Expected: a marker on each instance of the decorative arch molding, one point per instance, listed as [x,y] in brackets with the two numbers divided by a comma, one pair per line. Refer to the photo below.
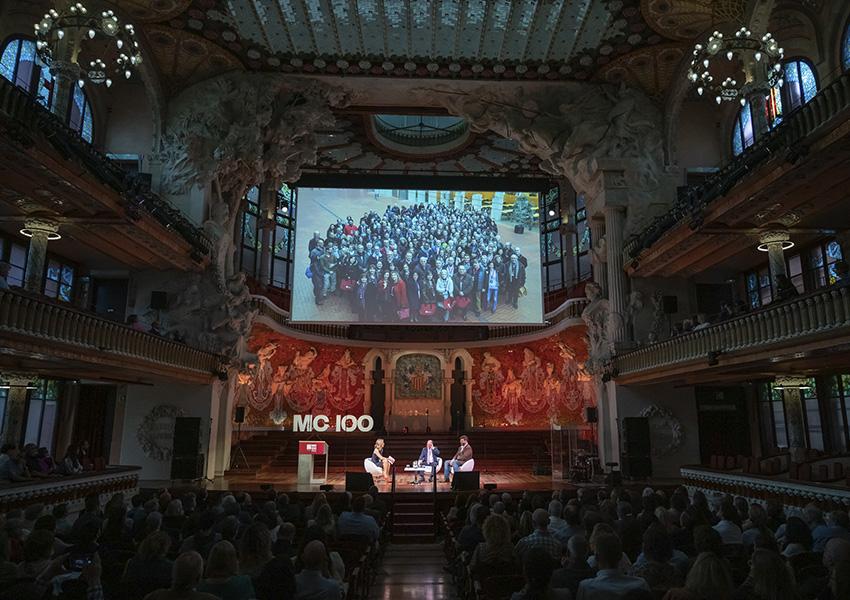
[579,131]
[468,362]
[368,368]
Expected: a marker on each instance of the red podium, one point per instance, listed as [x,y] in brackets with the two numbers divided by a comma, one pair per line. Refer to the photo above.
[307,452]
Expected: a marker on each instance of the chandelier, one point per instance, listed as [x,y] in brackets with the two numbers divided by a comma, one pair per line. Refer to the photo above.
[60,33]
[751,65]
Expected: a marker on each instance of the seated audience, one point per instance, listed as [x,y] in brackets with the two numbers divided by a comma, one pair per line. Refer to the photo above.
[575,568]
[756,524]
[540,537]
[12,468]
[204,537]
[150,568]
[325,520]
[355,522]
[537,571]
[71,464]
[275,579]
[770,578]
[222,578]
[835,525]
[38,549]
[709,579]
[655,567]
[601,529]
[495,552]
[311,583]
[610,583]
[472,535]
[729,530]
[186,575]
[797,538]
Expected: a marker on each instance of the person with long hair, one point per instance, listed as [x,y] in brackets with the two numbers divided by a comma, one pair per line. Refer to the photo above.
[537,570]
[71,464]
[385,462]
[497,547]
[311,511]
[150,568]
[325,520]
[255,549]
[770,578]
[185,577]
[222,576]
[710,578]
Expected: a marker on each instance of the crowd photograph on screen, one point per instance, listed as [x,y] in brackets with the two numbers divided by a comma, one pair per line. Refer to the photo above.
[417,256]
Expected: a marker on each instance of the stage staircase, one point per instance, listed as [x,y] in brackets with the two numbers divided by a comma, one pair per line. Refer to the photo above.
[413,519]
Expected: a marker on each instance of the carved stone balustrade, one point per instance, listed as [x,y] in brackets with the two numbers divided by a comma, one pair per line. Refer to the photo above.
[33,325]
[70,489]
[568,313]
[818,319]
[715,484]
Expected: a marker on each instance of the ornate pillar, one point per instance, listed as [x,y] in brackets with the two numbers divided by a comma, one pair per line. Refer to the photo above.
[268,206]
[775,242]
[66,74]
[40,231]
[599,258]
[615,218]
[792,401]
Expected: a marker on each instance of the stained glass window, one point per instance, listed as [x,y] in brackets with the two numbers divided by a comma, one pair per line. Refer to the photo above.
[80,117]
[743,135]
[19,65]
[59,282]
[800,86]
[845,49]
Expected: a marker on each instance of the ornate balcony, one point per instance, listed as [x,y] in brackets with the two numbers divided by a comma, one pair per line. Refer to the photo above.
[568,313]
[791,332]
[71,490]
[715,484]
[35,331]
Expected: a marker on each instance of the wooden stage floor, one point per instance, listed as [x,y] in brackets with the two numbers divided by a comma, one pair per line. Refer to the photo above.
[507,482]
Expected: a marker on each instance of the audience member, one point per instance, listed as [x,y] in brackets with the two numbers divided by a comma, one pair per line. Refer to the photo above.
[537,570]
[709,579]
[610,583]
[311,583]
[769,579]
[186,575]
[729,530]
[496,550]
[575,568]
[540,537]
[149,569]
[355,523]
[222,578]
[11,468]
[472,535]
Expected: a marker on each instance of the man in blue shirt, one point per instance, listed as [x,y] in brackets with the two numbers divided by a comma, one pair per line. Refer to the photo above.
[10,465]
[356,522]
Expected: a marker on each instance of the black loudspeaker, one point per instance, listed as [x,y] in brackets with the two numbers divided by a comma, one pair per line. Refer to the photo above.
[670,304]
[636,436]
[466,480]
[637,467]
[159,300]
[187,467]
[591,415]
[187,437]
[519,228]
[239,414]
[357,482]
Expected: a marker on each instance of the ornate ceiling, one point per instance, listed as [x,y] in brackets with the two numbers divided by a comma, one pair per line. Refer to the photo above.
[639,41]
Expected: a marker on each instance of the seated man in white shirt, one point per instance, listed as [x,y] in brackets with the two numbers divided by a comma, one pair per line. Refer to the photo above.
[729,531]
[357,522]
[609,583]
[310,584]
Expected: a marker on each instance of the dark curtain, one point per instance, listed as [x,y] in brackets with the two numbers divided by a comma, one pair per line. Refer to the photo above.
[93,422]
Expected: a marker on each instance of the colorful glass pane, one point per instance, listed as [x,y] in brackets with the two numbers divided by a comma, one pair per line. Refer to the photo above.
[9,59]
[78,107]
[845,49]
[752,282]
[774,106]
[737,144]
[65,293]
[45,88]
[808,81]
[747,126]
[26,64]
[833,251]
[67,275]
[87,125]
[53,271]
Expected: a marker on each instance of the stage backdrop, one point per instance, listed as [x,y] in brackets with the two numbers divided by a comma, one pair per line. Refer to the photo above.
[525,385]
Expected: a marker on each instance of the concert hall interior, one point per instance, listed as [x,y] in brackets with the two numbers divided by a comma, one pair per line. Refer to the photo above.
[424,299]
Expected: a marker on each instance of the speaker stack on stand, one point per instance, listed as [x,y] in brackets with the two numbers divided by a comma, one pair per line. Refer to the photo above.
[187,462]
[636,459]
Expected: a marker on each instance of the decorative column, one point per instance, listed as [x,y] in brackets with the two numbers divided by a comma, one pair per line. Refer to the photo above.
[615,218]
[598,256]
[40,231]
[66,74]
[792,400]
[775,242]
[268,207]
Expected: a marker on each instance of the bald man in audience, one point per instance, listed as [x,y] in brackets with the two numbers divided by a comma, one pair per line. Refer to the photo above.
[310,583]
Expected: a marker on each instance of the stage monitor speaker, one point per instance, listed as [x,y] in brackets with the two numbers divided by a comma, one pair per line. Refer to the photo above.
[670,304]
[519,228]
[239,414]
[187,467]
[357,482]
[466,480]
[636,436]
[187,436]
[637,467]
[591,414]
[159,300]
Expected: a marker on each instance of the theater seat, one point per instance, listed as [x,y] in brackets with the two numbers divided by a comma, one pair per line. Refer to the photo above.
[371,467]
[468,465]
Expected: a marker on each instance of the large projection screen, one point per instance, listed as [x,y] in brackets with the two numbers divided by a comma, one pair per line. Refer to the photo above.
[417,257]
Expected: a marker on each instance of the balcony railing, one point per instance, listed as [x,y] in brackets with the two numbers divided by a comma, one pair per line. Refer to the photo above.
[570,309]
[784,139]
[71,490]
[823,311]
[26,116]
[33,317]
[716,484]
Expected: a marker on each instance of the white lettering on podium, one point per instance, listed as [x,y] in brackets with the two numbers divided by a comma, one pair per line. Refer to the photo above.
[344,423]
